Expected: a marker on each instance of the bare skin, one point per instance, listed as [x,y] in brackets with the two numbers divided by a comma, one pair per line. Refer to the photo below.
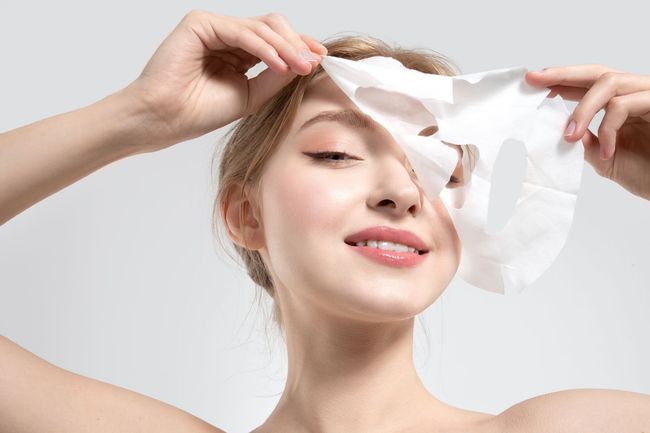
[358,358]
[349,322]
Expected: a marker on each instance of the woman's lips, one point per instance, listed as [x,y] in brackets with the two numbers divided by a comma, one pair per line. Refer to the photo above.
[391,234]
[391,258]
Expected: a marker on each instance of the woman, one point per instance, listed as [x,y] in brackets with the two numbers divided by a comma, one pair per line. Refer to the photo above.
[296,187]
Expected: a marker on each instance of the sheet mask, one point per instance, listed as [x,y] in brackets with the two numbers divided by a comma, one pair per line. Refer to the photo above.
[480,110]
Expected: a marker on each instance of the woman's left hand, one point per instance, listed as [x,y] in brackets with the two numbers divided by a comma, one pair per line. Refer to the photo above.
[621,151]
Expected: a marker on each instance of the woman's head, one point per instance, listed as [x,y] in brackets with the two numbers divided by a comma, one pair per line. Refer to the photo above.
[288,210]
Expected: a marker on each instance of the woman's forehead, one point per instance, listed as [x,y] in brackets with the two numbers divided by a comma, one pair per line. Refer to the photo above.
[323,90]
[321,95]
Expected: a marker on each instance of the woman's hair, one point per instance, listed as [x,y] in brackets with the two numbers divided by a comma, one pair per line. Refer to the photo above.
[253,139]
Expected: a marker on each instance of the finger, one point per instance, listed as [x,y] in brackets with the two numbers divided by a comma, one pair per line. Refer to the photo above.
[264,50]
[592,155]
[218,33]
[263,86]
[609,85]
[618,110]
[299,40]
[314,45]
[286,42]
[568,93]
[574,76]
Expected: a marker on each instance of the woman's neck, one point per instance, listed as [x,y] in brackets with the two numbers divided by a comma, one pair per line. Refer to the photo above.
[352,376]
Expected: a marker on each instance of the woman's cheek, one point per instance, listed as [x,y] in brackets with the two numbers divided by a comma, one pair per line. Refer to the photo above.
[451,239]
[306,212]
[316,199]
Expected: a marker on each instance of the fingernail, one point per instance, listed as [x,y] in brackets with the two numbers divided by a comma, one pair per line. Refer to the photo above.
[570,128]
[308,55]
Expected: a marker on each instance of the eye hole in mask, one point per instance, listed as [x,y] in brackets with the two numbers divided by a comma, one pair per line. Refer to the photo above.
[457,179]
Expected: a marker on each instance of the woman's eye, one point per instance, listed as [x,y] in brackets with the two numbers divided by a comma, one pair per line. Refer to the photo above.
[453,182]
[329,156]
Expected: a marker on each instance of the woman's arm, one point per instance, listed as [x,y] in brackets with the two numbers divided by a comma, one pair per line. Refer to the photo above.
[43,157]
[39,397]
[193,84]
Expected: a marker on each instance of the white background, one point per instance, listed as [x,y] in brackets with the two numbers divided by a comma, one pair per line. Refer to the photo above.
[116,277]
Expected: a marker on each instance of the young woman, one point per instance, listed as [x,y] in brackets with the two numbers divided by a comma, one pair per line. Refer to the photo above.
[299,187]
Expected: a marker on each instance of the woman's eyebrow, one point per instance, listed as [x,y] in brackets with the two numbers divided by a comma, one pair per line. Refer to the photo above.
[349,117]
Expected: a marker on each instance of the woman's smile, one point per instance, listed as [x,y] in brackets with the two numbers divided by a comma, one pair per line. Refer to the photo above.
[391,258]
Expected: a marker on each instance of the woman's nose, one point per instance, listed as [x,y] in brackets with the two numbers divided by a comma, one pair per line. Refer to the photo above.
[396,189]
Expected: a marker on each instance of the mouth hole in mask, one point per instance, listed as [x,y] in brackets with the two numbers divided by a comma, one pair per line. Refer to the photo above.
[508,174]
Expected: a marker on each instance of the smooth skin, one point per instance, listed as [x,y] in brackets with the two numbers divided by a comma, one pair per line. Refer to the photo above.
[196,83]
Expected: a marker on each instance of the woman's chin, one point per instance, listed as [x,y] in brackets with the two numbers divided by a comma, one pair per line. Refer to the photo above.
[380,301]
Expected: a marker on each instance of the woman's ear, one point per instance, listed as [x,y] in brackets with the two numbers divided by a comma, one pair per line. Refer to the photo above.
[242,219]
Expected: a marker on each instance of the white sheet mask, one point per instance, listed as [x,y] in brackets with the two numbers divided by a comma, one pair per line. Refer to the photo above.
[482,110]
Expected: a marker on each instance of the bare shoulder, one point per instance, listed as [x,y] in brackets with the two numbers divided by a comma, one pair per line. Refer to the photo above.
[38,396]
[578,410]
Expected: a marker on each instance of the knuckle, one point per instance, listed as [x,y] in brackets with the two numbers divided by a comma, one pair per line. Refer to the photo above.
[265,51]
[610,77]
[616,104]
[605,69]
[242,36]
[600,69]
[258,26]
[276,17]
[193,15]
[271,52]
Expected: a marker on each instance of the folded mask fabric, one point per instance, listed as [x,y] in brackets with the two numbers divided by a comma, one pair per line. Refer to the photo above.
[478,111]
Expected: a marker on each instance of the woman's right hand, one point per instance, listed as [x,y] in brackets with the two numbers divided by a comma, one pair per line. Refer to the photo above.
[196,80]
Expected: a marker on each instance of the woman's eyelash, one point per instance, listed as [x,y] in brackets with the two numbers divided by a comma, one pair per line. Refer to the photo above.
[324,155]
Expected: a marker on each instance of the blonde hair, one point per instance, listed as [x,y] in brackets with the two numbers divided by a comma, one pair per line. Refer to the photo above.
[252,140]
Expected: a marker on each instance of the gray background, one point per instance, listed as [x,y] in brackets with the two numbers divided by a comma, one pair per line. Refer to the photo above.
[116,276]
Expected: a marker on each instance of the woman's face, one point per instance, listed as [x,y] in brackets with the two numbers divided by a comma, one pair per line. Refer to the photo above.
[309,206]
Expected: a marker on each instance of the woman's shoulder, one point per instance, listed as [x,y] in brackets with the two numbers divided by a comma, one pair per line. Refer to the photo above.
[575,411]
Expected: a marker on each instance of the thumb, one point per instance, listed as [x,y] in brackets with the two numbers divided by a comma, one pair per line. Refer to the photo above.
[266,84]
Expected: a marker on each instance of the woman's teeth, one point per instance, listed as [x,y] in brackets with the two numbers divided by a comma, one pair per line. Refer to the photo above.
[389,246]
